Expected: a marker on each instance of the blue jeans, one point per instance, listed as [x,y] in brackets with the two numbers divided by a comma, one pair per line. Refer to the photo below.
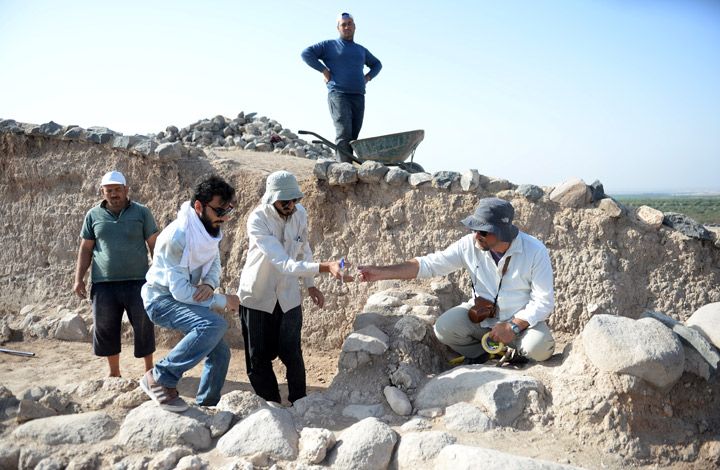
[204,331]
[347,111]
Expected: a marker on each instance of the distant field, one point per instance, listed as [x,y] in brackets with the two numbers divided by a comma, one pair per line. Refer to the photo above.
[704,209]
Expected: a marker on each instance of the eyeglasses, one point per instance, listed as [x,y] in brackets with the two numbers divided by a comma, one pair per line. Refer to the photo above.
[221,212]
[286,204]
[482,233]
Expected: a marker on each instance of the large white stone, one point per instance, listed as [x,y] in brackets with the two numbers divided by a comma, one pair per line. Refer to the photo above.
[502,393]
[571,193]
[460,457]
[369,339]
[84,428]
[150,427]
[467,418]
[418,449]
[642,348]
[366,445]
[268,431]
[397,400]
[314,443]
[706,320]
[651,217]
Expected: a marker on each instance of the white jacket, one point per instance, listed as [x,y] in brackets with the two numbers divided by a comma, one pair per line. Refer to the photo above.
[527,288]
[278,255]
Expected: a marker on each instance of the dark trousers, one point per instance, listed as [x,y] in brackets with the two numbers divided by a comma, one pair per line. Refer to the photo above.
[268,336]
[109,301]
[347,112]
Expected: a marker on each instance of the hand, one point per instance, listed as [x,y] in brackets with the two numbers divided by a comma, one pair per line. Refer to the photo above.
[369,273]
[80,289]
[203,293]
[339,273]
[326,75]
[367,78]
[502,333]
[233,303]
[317,297]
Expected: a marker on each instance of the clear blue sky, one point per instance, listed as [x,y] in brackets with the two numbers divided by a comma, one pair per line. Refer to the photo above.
[534,91]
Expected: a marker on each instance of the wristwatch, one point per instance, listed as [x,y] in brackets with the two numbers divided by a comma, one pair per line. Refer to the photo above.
[515,328]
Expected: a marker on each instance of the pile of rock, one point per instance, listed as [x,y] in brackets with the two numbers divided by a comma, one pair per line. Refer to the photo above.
[246,131]
[38,322]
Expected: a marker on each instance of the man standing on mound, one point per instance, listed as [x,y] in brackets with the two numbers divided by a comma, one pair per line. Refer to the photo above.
[279,256]
[179,294]
[114,238]
[512,286]
[342,62]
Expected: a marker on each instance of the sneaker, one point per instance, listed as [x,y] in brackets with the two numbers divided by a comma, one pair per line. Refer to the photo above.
[168,398]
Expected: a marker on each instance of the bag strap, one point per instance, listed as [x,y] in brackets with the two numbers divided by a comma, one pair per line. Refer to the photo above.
[505,268]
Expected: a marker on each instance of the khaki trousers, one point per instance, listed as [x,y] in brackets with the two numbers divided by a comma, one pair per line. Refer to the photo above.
[454,329]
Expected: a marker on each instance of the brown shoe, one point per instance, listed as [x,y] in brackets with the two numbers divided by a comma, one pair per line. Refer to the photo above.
[168,398]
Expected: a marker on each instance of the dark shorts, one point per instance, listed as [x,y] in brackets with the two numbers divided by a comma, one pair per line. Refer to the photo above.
[109,301]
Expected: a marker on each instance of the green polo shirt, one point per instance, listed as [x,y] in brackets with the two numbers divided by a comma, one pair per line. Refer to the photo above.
[120,253]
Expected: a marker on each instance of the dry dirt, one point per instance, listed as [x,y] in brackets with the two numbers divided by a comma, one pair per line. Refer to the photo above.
[60,363]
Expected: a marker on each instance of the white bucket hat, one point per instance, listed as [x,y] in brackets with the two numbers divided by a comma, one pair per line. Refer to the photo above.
[281,186]
[113,177]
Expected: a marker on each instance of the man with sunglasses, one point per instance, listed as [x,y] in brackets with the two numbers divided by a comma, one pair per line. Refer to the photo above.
[279,258]
[512,286]
[180,294]
[342,63]
[116,237]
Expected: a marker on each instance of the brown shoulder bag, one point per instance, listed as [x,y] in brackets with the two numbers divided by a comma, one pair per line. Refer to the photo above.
[483,307]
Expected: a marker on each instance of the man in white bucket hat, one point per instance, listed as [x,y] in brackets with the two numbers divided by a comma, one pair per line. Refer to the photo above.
[279,256]
[512,282]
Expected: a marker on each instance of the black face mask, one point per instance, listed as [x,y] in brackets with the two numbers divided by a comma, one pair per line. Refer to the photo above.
[207,223]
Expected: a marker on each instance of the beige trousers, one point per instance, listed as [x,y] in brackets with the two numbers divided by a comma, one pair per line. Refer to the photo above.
[454,329]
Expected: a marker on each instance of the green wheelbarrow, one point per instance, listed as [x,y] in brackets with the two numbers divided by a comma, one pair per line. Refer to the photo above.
[390,149]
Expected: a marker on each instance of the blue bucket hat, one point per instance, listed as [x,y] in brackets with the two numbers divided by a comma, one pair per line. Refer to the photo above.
[493,215]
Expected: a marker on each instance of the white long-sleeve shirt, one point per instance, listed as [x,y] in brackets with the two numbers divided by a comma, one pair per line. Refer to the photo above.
[167,275]
[278,255]
[527,287]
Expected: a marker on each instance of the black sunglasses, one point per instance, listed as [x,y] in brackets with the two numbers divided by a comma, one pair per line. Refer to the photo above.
[482,233]
[221,212]
[286,204]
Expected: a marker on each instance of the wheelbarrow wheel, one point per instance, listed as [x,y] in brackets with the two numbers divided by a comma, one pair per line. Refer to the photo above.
[411,167]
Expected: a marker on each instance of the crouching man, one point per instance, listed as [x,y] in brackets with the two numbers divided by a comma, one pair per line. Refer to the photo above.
[179,294]
[512,286]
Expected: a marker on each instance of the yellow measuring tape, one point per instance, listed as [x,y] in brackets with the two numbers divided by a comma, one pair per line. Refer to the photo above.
[490,346]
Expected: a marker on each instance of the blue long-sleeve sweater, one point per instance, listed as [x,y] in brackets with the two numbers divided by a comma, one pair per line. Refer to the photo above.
[346,61]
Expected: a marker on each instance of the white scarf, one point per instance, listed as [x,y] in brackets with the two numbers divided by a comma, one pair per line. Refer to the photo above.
[200,247]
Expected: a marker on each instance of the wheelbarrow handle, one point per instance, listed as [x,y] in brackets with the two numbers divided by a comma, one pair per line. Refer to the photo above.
[322,139]
[331,145]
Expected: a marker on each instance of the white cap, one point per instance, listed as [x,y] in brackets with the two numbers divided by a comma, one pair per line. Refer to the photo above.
[281,186]
[113,177]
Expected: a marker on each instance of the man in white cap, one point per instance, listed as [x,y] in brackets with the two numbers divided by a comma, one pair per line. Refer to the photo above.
[342,63]
[279,256]
[180,294]
[512,286]
[116,236]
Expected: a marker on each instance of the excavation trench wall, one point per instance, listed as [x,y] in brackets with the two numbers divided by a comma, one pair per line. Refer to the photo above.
[602,264]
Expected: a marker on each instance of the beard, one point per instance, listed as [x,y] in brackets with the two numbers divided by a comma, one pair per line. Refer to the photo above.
[481,247]
[207,223]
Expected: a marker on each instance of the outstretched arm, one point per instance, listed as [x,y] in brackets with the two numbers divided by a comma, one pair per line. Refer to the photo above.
[407,270]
